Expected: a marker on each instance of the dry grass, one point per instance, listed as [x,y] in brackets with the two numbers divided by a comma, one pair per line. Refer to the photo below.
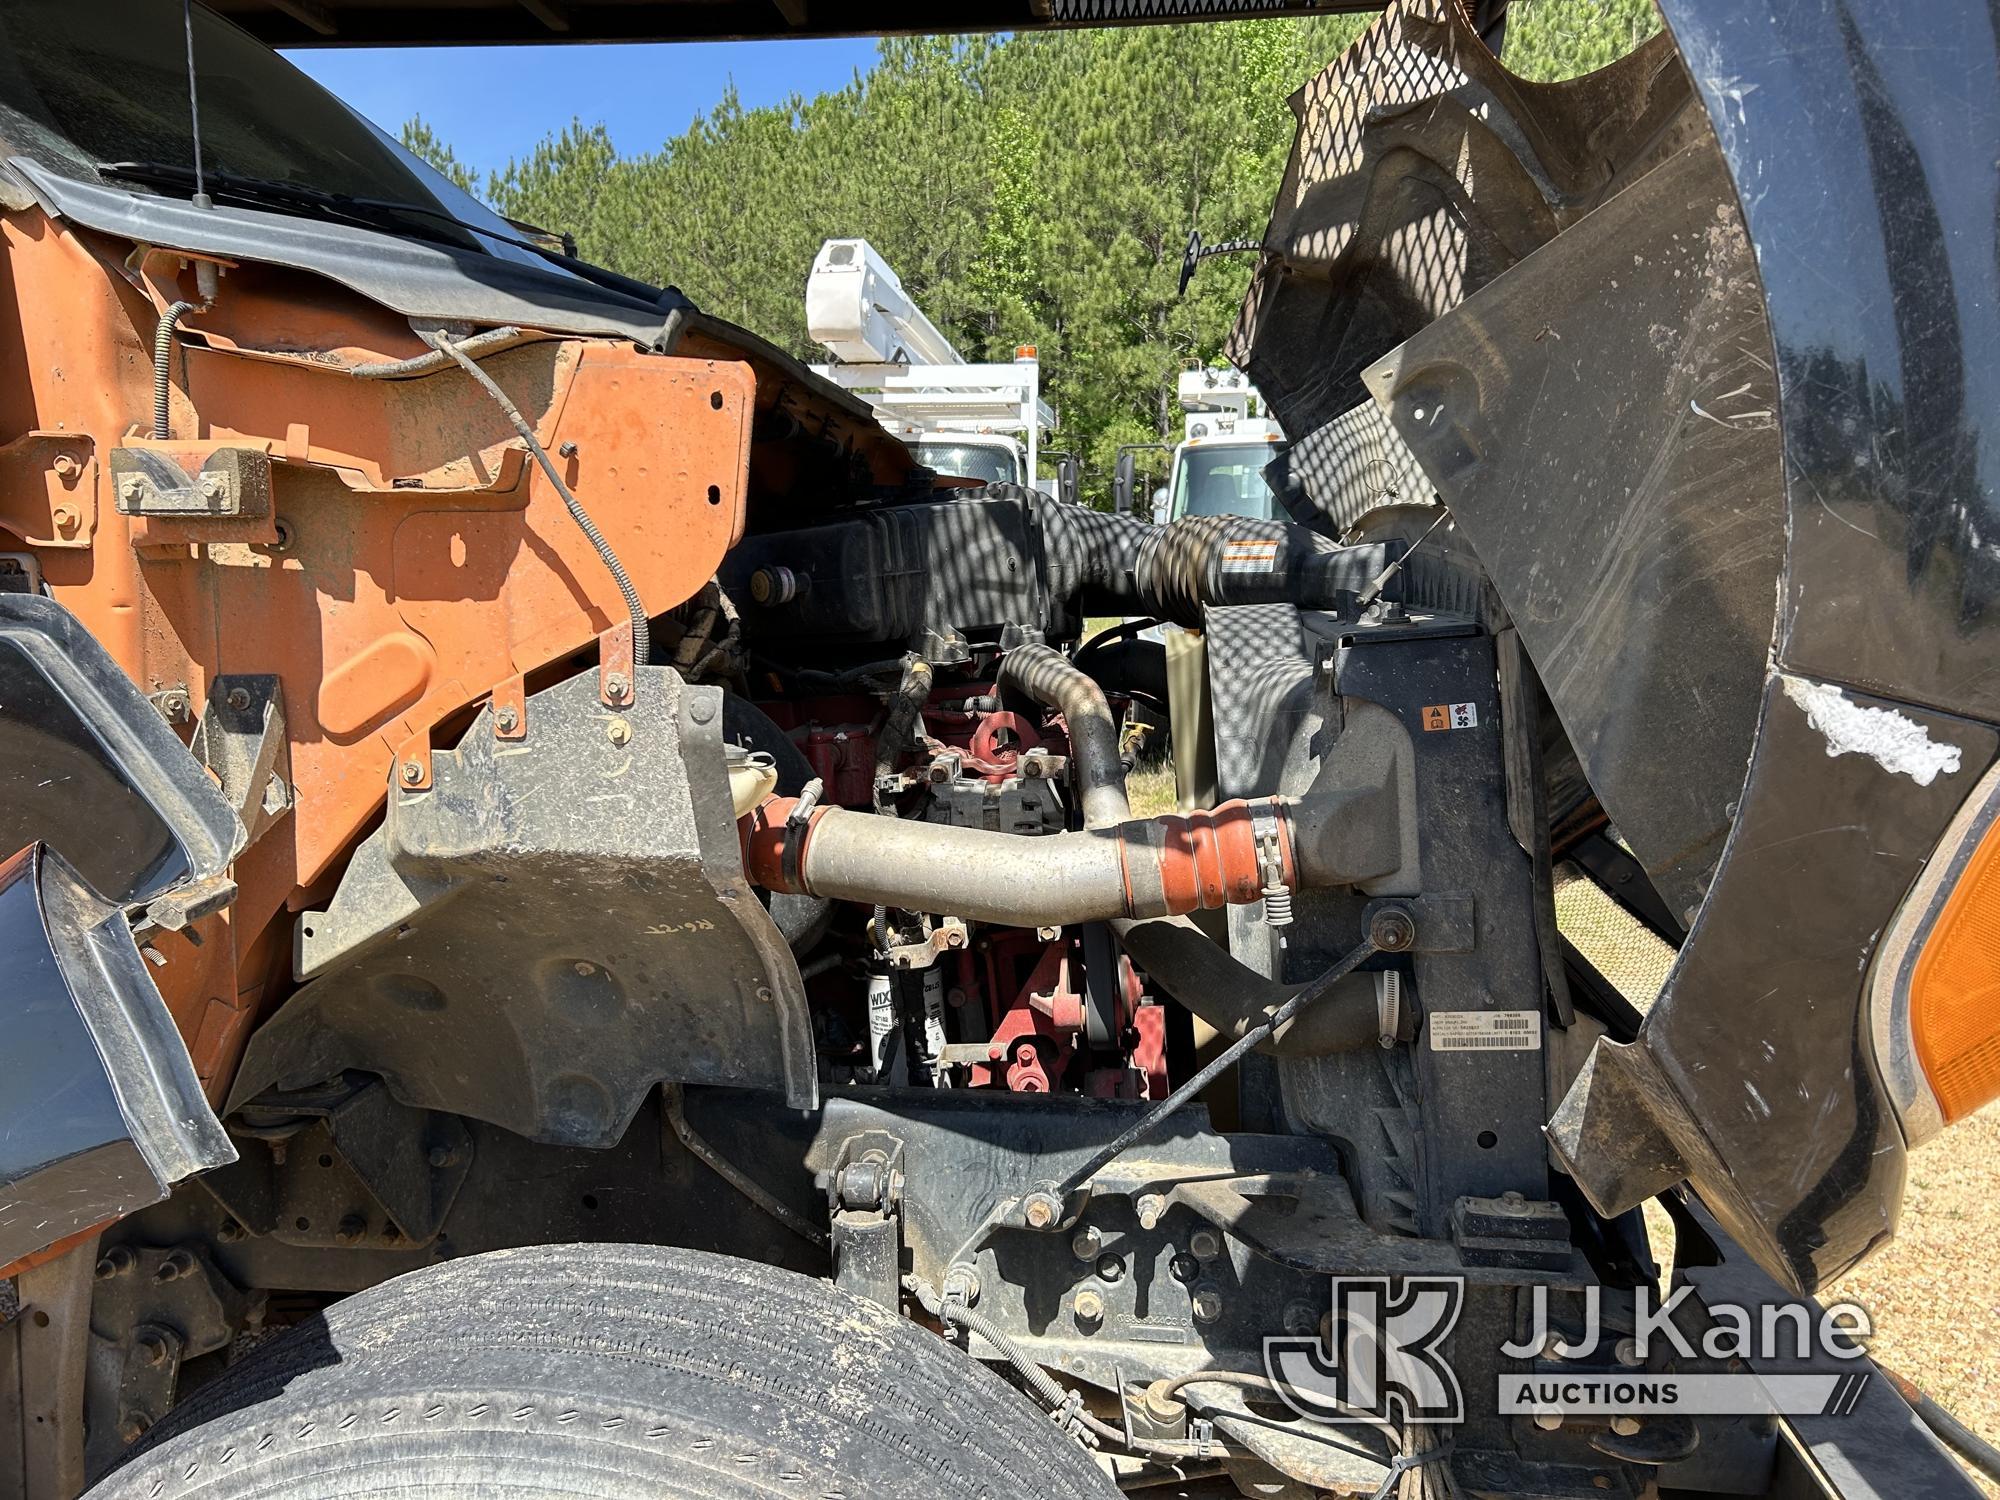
[1934,1301]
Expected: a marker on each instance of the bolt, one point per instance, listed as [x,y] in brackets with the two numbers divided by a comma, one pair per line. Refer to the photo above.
[351,1229]
[1300,1319]
[1110,1268]
[566,450]
[701,708]
[1207,1305]
[1150,1208]
[616,686]
[132,1425]
[1089,1308]
[67,466]
[961,1285]
[211,485]
[505,718]
[114,1262]
[132,487]
[1041,1210]
[412,773]
[177,1264]
[238,699]
[1626,1352]
[1205,1244]
[619,732]
[442,1156]
[230,1232]
[1086,1242]
[1549,1421]
[65,517]
[1392,929]
[151,1348]
[1625,1425]
[1184,1268]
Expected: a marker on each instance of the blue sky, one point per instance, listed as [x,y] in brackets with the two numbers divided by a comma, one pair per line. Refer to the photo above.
[495,103]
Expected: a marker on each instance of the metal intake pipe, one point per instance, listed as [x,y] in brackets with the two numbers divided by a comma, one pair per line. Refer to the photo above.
[1049,678]
[1143,867]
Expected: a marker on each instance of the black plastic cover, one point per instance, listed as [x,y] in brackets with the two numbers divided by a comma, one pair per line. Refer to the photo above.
[90,768]
[103,1112]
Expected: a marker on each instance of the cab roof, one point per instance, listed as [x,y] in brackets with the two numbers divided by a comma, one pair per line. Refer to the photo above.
[376,23]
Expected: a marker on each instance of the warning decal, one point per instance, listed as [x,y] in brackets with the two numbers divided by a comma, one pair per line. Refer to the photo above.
[1451,716]
[1250,557]
[1485,1030]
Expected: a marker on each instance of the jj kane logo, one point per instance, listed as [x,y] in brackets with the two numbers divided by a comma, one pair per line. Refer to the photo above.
[1384,1361]
[1383,1356]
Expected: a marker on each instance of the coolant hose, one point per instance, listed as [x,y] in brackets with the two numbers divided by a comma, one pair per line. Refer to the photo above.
[1050,678]
[802,919]
[1142,867]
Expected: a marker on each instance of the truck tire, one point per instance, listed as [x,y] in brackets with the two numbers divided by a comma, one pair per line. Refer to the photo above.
[612,1372]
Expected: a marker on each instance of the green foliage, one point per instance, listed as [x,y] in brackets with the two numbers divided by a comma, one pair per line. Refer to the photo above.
[420,140]
[1548,40]
[1035,190]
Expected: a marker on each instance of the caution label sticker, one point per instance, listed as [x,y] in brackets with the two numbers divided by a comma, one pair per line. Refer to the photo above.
[1451,716]
[1250,557]
[1484,1030]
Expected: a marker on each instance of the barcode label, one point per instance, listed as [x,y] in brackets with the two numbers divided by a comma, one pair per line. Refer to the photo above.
[1484,1030]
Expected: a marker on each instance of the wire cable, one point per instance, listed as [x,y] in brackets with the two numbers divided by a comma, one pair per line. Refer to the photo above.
[194,107]
[163,365]
[642,630]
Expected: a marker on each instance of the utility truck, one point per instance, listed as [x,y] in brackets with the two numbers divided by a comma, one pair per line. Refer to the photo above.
[980,422]
[1217,468]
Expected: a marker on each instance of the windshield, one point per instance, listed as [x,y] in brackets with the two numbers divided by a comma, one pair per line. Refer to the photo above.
[83,84]
[1224,482]
[980,461]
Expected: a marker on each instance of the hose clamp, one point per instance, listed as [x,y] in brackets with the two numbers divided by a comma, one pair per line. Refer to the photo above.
[798,823]
[1268,828]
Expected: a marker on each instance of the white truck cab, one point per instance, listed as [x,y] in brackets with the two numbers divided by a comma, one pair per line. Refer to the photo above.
[1217,468]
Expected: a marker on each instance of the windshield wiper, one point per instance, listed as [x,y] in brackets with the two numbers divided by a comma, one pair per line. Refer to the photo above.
[386,214]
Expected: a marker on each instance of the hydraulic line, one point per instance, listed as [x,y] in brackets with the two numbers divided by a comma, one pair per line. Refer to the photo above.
[1948,1429]
[163,364]
[642,630]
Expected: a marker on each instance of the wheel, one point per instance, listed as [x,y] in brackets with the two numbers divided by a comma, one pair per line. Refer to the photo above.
[605,1371]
